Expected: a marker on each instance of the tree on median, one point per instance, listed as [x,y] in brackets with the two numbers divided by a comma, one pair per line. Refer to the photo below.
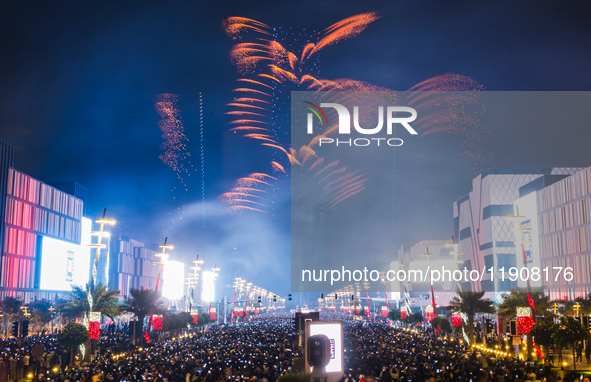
[569,333]
[72,336]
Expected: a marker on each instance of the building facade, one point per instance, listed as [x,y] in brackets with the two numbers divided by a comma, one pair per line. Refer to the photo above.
[482,226]
[131,265]
[38,222]
[564,229]
[45,241]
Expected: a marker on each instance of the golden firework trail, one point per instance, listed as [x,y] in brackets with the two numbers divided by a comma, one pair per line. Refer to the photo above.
[268,68]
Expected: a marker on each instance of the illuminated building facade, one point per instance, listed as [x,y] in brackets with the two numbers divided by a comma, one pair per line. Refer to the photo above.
[41,229]
[131,265]
[485,233]
[45,240]
[564,230]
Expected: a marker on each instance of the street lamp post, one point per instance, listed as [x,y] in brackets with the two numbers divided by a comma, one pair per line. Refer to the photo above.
[214,270]
[455,252]
[99,245]
[99,234]
[163,257]
[192,280]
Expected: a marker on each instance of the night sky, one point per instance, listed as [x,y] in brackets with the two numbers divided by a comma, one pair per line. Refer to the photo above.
[78,83]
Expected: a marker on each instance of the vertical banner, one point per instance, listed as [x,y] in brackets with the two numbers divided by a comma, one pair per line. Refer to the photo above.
[157,322]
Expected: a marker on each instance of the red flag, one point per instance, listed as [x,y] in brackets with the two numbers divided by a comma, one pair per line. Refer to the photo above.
[531,302]
[433,300]
[539,352]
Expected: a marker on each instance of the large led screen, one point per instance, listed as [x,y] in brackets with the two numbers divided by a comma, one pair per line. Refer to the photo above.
[334,332]
[64,264]
[208,291]
[173,280]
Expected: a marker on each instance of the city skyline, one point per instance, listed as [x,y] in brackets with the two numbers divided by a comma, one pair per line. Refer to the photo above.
[81,107]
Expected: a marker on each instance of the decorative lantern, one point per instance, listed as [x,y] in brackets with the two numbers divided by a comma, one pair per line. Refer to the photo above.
[94,325]
[524,325]
[94,330]
[157,322]
[524,320]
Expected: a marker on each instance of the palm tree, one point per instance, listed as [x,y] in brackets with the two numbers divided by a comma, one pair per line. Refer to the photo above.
[518,298]
[471,303]
[142,303]
[104,300]
[11,308]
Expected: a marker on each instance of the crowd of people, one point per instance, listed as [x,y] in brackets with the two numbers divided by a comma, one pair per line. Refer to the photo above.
[265,349]
[17,362]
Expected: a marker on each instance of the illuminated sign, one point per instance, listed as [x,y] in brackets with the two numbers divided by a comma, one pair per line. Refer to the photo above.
[64,264]
[208,291]
[527,236]
[173,280]
[334,331]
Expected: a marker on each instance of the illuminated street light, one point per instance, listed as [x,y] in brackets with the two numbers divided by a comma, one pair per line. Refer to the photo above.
[99,234]
[163,258]
[193,280]
[455,252]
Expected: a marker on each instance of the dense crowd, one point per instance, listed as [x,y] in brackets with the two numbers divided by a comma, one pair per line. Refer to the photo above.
[264,350]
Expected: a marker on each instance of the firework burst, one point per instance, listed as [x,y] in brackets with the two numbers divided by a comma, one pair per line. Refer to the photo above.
[268,70]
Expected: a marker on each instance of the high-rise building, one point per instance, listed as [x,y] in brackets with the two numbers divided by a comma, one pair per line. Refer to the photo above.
[131,265]
[44,235]
[556,219]
[482,226]
[45,240]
